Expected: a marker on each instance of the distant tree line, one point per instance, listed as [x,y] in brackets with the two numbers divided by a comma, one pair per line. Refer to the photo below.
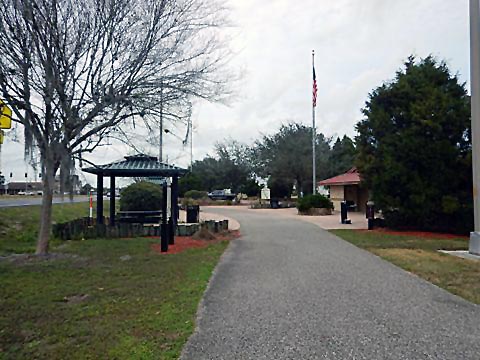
[285,158]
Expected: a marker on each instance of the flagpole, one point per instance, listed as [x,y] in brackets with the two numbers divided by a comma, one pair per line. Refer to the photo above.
[314,133]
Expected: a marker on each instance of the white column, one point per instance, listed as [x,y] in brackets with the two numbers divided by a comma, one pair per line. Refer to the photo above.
[474,246]
[314,139]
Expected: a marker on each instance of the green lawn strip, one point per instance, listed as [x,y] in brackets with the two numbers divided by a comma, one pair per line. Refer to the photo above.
[421,257]
[142,308]
[19,224]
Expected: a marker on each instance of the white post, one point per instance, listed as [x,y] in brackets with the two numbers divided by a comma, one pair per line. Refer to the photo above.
[474,246]
[314,133]
[91,205]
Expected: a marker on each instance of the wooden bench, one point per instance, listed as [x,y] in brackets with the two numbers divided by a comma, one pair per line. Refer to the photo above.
[143,217]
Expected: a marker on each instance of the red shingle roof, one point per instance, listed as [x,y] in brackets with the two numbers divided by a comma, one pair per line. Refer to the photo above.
[351,177]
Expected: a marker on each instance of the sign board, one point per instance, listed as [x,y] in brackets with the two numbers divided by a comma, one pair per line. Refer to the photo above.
[5,116]
[265,193]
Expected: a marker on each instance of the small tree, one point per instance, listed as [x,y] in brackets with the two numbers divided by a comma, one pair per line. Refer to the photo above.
[288,155]
[229,168]
[414,148]
[189,182]
[280,188]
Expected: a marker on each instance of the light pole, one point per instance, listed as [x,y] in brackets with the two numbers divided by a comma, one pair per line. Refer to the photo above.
[474,245]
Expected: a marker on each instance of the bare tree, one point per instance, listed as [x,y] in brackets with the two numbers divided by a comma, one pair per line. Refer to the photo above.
[77,71]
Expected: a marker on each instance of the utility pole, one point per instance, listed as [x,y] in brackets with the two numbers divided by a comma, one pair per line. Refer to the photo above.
[474,245]
[160,150]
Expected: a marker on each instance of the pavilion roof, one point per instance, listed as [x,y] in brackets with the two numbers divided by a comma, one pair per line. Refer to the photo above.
[351,177]
[140,165]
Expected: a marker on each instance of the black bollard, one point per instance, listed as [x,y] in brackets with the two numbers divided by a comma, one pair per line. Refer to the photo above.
[164,226]
[343,212]
[370,214]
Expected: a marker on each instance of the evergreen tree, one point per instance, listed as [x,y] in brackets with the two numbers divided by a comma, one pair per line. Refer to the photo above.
[414,148]
[342,156]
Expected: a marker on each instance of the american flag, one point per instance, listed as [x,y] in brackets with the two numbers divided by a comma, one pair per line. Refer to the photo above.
[314,90]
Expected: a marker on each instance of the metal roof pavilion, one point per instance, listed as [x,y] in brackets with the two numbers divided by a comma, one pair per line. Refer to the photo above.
[137,165]
[140,165]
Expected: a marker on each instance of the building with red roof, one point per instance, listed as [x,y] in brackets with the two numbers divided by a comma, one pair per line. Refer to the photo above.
[347,187]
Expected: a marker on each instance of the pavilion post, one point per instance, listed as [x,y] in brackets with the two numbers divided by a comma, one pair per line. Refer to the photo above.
[163,228]
[112,200]
[99,199]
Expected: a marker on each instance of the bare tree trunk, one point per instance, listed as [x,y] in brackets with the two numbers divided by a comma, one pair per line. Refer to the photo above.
[46,211]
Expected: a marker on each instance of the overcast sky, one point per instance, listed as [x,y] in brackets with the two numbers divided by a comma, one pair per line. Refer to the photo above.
[358,45]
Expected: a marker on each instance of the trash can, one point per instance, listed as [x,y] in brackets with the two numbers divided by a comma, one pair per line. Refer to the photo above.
[193,214]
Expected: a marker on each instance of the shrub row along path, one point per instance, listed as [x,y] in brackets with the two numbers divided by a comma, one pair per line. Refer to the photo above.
[290,290]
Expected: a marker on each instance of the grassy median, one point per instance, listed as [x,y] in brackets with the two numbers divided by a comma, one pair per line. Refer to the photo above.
[420,256]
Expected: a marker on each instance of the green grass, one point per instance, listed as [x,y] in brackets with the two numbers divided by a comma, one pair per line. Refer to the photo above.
[420,256]
[19,225]
[142,308]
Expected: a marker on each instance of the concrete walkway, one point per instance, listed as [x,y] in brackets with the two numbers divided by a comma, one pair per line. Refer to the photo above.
[328,222]
[290,290]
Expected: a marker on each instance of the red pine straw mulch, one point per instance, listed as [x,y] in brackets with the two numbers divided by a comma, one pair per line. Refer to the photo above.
[187,242]
[420,234]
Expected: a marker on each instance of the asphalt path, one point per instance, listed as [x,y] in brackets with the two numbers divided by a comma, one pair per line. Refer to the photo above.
[290,290]
[29,201]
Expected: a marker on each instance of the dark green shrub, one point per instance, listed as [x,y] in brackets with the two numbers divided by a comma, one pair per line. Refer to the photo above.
[190,181]
[279,188]
[142,196]
[314,201]
[251,188]
[195,194]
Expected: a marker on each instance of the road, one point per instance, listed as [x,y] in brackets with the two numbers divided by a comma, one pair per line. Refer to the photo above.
[28,201]
[290,290]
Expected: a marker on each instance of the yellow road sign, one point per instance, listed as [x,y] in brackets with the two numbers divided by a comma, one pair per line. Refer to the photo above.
[5,116]
[1,137]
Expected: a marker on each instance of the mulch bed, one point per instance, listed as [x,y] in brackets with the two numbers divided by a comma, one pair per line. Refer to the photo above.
[183,243]
[420,234]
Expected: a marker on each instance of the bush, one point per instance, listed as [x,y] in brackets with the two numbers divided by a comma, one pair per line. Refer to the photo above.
[142,196]
[313,201]
[195,194]
[188,201]
[250,187]
[190,181]
[279,188]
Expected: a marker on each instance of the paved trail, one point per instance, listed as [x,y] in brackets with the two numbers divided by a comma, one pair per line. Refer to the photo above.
[289,290]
